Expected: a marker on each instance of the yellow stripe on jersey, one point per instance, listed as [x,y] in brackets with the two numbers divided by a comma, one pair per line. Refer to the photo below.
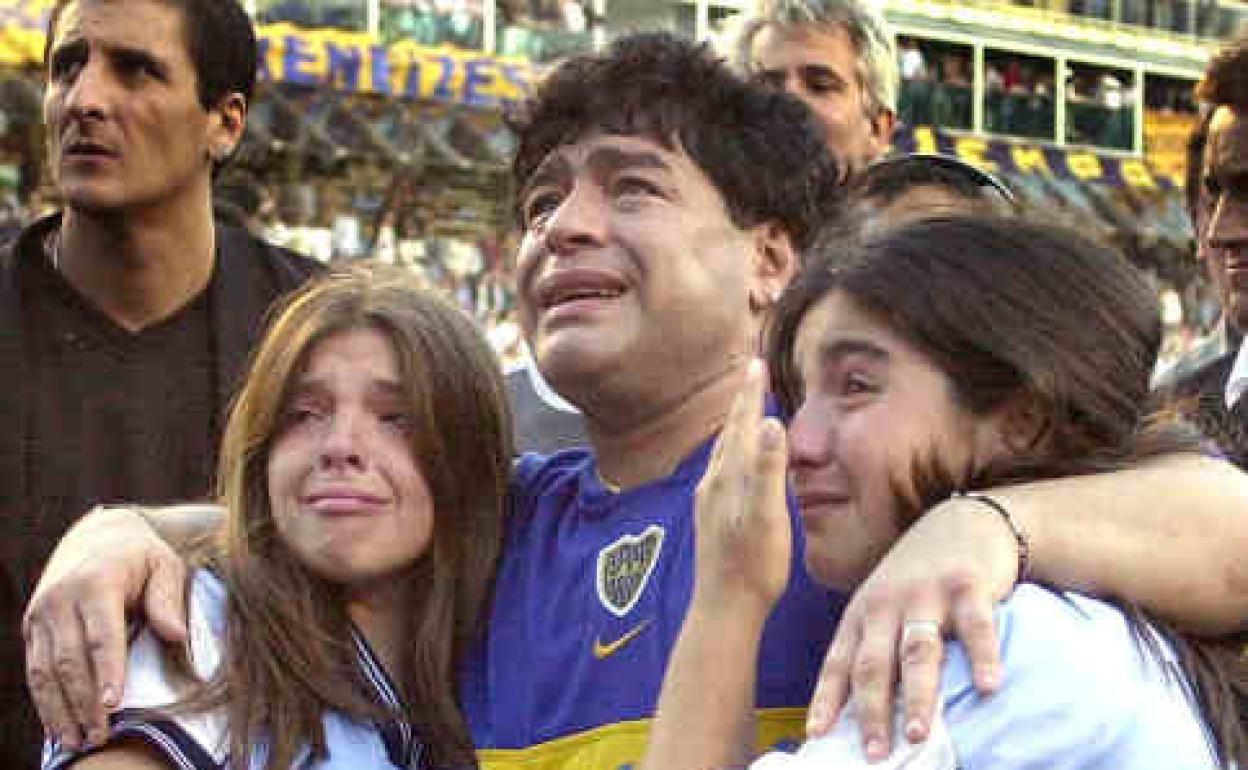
[620,746]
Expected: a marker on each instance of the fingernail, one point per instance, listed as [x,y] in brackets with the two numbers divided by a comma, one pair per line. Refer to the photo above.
[915,730]
[108,696]
[875,750]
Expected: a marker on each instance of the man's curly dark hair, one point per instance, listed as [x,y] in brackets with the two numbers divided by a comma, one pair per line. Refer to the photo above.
[1226,79]
[763,150]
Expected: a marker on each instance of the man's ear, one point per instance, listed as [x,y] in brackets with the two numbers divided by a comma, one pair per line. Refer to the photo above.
[227,121]
[882,126]
[775,263]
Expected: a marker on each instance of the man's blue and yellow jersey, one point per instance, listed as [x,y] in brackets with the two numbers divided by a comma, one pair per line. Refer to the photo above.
[592,589]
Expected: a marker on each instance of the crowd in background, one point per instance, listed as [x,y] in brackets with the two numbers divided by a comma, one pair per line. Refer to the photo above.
[476,269]
[330,198]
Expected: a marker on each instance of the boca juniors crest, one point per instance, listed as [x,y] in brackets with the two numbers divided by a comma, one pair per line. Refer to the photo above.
[624,568]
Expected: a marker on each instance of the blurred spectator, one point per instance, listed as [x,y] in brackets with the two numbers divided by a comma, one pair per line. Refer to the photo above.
[295,227]
[910,60]
[1214,394]
[952,99]
[840,58]
[575,17]
[1110,91]
[914,103]
[12,217]
[544,30]
[994,80]
[346,242]
[1018,96]
[457,23]
[1012,77]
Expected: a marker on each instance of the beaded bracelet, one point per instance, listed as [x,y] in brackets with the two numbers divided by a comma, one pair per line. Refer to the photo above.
[1020,535]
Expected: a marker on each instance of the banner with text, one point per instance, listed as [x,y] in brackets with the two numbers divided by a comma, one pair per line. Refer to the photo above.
[1004,157]
[355,62]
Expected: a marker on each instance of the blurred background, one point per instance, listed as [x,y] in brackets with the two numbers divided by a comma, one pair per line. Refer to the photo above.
[377,129]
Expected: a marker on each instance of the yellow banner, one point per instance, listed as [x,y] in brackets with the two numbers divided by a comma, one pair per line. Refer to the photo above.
[1004,157]
[1165,142]
[349,61]
[22,27]
[358,63]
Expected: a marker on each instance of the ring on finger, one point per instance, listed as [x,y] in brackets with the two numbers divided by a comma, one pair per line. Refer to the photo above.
[919,629]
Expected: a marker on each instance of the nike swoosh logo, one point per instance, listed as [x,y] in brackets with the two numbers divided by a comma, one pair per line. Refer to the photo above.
[604,651]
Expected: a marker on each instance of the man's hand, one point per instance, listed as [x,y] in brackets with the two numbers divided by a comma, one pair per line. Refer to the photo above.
[75,626]
[943,576]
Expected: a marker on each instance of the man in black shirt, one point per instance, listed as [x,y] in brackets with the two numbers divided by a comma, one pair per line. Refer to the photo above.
[1212,394]
[128,316]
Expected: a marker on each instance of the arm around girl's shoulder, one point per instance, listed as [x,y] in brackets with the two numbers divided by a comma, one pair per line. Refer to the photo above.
[141,735]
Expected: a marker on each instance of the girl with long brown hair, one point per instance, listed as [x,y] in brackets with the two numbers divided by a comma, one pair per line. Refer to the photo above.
[926,365]
[363,472]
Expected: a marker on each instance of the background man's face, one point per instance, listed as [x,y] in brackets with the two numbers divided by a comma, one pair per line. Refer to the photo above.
[1208,256]
[630,266]
[819,65]
[1225,234]
[125,126]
